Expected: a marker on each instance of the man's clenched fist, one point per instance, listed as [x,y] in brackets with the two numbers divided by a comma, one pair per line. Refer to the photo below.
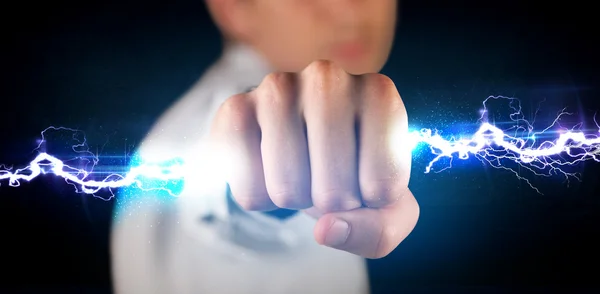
[320,140]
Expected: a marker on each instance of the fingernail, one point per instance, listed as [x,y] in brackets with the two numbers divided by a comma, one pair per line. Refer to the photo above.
[338,233]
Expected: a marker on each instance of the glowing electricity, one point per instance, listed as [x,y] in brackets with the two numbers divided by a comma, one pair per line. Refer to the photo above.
[519,144]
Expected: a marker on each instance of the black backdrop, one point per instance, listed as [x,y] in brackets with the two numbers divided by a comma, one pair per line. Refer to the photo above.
[110,68]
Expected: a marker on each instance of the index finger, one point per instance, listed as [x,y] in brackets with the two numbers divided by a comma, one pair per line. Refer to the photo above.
[384,171]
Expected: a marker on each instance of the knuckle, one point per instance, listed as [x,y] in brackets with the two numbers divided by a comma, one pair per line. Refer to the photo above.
[383,89]
[235,112]
[323,68]
[277,89]
[324,81]
[380,81]
[335,200]
[289,198]
[380,193]
[251,202]
[276,82]
[235,103]
[319,66]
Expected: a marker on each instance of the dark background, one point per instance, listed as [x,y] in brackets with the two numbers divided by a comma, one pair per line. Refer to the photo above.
[110,68]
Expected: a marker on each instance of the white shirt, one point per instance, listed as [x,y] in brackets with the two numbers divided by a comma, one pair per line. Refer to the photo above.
[198,242]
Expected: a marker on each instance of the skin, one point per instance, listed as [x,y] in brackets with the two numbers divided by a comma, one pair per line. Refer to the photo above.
[326,115]
[291,34]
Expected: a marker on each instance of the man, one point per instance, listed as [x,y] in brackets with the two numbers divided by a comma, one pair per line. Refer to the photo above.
[311,131]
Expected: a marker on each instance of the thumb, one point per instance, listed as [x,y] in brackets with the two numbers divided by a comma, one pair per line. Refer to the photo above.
[369,232]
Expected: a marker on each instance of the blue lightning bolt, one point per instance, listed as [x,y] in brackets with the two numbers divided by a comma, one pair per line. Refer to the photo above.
[147,176]
[520,144]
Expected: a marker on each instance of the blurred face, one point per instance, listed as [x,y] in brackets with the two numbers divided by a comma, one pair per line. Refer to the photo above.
[355,34]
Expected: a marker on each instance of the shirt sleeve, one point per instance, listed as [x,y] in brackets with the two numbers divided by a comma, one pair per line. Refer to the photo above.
[191,237]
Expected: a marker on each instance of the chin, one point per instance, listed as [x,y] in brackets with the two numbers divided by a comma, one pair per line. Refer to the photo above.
[364,68]
[370,64]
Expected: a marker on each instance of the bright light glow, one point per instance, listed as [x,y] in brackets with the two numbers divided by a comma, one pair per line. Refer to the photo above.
[520,143]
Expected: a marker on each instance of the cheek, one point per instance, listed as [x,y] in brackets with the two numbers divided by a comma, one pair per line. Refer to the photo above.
[384,29]
[384,15]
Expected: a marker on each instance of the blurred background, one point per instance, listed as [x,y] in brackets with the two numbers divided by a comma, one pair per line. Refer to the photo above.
[110,68]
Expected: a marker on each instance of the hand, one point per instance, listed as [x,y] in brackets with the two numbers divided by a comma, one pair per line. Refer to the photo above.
[321,140]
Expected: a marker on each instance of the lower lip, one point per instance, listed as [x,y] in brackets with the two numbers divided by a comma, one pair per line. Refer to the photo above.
[350,50]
